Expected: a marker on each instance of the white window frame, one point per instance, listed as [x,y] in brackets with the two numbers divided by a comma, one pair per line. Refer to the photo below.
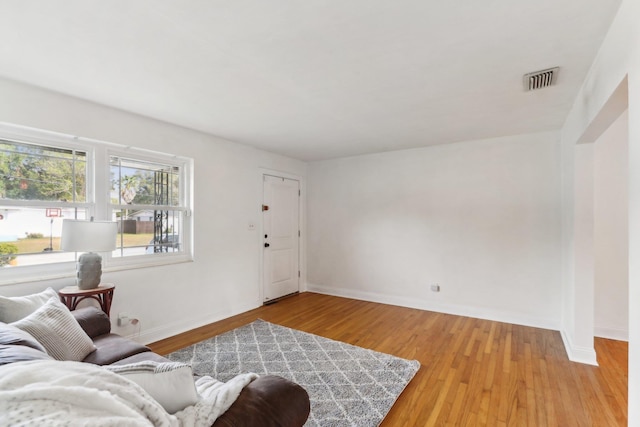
[185,166]
[97,201]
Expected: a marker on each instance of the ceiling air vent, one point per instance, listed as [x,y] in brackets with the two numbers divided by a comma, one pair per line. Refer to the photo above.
[540,79]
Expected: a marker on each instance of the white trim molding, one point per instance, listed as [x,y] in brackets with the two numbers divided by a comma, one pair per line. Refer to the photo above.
[586,355]
[183,325]
[612,333]
[458,310]
[574,353]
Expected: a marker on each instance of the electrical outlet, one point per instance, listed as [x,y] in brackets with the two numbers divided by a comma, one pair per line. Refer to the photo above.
[435,288]
[123,319]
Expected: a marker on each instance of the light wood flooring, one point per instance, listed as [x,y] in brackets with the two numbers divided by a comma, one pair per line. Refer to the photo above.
[474,372]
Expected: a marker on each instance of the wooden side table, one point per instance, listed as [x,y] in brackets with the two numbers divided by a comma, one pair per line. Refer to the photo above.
[71,296]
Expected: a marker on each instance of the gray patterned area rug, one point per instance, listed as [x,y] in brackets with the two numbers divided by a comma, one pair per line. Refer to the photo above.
[347,385]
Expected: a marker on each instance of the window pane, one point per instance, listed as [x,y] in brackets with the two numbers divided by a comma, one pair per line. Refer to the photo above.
[31,236]
[31,172]
[144,183]
[148,232]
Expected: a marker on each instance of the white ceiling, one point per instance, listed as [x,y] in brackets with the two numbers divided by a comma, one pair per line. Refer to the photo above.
[313,79]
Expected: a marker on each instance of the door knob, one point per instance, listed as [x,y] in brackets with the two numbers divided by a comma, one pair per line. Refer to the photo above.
[266,245]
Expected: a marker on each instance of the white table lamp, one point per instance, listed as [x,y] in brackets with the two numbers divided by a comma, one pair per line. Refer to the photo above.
[89,237]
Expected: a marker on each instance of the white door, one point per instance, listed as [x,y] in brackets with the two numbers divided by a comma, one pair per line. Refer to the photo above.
[281,237]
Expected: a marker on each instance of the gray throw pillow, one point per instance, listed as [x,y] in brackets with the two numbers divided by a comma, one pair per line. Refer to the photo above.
[20,353]
[10,335]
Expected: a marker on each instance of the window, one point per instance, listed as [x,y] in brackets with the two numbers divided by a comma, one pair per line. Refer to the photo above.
[46,177]
[146,202]
[40,185]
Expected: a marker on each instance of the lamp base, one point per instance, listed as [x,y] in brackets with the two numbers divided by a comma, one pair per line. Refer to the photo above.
[89,270]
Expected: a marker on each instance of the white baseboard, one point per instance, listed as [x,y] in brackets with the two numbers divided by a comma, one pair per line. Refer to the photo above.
[458,310]
[575,353]
[612,333]
[578,354]
[184,325]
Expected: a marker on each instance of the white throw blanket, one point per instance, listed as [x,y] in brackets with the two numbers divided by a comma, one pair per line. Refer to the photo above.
[47,392]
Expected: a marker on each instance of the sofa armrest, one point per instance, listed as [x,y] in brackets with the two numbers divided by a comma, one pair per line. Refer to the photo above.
[93,321]
[111,348]
[268,401]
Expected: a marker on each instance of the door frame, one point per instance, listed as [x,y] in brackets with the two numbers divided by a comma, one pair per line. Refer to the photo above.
[302,222]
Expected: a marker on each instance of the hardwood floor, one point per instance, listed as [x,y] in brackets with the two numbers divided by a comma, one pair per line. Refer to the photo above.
[474,372]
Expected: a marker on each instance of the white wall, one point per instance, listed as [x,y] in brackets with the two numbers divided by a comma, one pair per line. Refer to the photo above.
[579,223]
[580,340]
[611,234]
[224,279]
[618,61]
[479,218]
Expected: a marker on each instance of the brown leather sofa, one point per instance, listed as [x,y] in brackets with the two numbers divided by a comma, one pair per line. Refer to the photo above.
[268,401]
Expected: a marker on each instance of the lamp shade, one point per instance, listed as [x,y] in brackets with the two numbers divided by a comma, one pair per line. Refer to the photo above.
[88,236]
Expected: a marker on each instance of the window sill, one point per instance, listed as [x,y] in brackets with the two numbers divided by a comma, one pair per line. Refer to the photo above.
[21,277]
[122,265]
